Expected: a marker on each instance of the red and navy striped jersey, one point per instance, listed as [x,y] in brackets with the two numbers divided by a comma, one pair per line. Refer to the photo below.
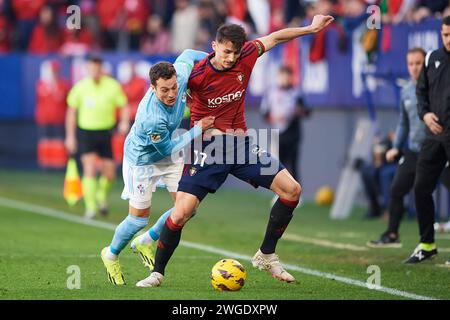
[221,93]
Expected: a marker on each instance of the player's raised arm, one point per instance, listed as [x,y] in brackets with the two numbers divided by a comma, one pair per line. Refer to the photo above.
[318,24]
[188,58]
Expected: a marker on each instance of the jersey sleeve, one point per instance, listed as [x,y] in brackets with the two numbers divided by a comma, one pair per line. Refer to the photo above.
[251,51]
[185,62]
[161,139]
[74,97]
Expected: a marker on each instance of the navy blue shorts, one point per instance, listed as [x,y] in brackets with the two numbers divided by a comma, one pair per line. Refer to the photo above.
[212,162]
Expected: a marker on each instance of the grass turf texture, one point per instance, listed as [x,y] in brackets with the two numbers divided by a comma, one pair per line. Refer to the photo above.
[36,250]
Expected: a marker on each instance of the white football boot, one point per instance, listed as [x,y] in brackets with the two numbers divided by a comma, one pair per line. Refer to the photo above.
[153,280]
[271,263]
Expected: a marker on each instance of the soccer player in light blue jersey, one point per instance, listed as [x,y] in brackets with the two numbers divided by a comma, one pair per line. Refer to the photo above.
[150,154]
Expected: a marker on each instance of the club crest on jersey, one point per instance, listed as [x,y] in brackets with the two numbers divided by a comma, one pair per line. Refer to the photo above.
[192,171]
[240,77]
[155,137]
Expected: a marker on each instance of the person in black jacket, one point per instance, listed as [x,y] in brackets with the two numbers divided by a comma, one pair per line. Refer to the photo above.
[433,96]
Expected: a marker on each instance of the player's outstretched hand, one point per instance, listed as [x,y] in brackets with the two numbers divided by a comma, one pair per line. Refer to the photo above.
[206,122]
[320,21]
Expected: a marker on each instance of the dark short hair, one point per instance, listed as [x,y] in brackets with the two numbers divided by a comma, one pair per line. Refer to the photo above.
[417,50]
[95,59]
[163,70]
[233,33]
[446,21]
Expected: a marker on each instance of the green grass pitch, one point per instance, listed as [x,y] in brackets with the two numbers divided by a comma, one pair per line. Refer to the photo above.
[36,250]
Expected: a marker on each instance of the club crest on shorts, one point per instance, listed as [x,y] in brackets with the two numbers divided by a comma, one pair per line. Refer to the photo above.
[141,189]
[192,171]
[240,77]
[155,137]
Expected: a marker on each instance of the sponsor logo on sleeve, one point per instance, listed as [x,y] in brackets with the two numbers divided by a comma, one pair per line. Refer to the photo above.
[155,138]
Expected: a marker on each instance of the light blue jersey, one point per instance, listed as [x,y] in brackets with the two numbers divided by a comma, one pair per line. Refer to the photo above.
[149,140]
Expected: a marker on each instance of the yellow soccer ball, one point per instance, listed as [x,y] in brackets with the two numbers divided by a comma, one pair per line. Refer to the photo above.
[228,275]
[324,196]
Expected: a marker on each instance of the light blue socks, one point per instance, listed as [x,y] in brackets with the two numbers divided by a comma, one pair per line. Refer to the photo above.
[155,230]
[125,232]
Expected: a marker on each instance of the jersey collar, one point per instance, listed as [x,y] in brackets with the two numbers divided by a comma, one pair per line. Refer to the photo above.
[214,68]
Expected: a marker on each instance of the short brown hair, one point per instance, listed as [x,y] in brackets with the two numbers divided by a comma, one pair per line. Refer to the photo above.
[233,33]
[417,50]
[163,70]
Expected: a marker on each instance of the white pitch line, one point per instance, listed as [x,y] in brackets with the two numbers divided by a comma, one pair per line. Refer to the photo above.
[109,226]
[323,242]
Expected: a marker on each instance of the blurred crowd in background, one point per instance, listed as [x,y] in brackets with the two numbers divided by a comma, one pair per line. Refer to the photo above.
[169,26]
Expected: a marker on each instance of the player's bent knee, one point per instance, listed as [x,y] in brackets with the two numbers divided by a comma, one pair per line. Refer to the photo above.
[293,192]
[298,190]
[185,206]
[180,217]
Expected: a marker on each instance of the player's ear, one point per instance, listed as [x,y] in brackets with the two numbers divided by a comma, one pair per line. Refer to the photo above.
[153,87]
[214,45]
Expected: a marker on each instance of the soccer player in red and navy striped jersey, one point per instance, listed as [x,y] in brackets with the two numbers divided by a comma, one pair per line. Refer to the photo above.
[218,84]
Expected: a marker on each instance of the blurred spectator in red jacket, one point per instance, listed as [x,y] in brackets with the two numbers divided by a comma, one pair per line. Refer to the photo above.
[77,42]
[90,18]
[136,14]
[156,37]
[276,15]
[122,17]
[5,31]
[134,89]
[317,50]
[50,112]
[26,13]
[237,9]
[111,17]
[47,36]
[51,93]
